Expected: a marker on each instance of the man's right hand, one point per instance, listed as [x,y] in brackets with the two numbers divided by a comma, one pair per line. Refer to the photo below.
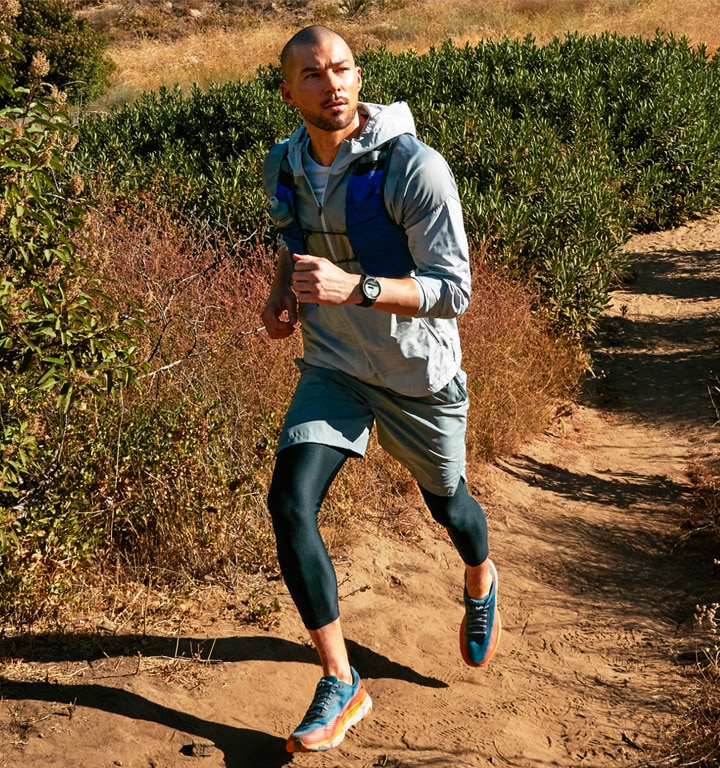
[280,314]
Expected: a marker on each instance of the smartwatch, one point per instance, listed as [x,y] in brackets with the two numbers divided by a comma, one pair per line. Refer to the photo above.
[370,288]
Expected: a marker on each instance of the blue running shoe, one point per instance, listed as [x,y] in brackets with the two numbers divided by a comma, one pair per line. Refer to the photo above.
[481,626]
[335,708]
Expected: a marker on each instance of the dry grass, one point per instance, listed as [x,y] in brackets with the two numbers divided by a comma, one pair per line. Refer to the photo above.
[217,55]
[695,740]
[518,372]
[165,50]
[705,512]
[202,315]
[186,457]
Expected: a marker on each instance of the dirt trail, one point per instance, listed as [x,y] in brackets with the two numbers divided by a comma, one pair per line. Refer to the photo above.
[595,596]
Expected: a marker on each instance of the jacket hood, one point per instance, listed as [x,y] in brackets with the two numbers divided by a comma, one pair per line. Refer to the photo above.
[383,124]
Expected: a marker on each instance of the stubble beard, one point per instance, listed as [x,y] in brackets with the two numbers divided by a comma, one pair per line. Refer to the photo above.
[334,123]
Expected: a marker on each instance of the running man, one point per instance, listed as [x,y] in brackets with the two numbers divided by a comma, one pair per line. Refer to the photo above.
[374,269]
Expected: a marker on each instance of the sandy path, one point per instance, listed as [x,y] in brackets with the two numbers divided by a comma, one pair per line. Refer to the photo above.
[595,596]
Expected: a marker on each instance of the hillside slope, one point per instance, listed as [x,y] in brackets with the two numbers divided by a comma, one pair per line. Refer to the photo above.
[595,594]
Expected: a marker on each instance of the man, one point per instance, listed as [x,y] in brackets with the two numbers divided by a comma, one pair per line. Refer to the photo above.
[374,268]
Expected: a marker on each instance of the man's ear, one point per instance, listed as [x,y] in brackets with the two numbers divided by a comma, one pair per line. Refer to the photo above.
[286,95]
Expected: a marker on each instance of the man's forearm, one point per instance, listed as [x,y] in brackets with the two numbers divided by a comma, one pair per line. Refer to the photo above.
[399,296]
[283,271]
[317,280]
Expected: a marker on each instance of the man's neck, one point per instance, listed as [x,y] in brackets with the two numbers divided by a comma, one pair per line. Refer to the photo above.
[325,145]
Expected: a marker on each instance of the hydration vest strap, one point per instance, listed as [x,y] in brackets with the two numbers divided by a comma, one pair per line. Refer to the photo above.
[378,242]
[369,175]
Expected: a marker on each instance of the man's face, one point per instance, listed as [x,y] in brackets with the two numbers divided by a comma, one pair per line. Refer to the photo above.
[323,82]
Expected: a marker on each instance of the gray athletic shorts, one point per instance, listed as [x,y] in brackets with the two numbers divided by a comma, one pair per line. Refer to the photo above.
[425,434]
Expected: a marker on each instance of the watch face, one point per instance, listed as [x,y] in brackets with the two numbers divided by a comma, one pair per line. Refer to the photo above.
[371,288]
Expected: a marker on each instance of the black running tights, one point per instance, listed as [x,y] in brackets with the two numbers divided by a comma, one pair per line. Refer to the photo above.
[303,474]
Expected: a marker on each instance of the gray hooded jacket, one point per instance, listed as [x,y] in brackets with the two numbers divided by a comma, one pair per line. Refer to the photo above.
[414,356]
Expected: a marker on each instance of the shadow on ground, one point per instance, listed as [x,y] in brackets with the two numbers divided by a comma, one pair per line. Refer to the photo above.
[621,558]
[659,365]
[57,647]
[242,747]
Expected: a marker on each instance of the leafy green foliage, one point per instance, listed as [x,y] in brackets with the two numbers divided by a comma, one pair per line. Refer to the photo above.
[61,342]
[74,51]
[200,154]
[559,151]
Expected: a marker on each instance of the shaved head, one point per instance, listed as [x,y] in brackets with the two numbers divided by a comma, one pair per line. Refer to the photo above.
[321,80]
[314,35]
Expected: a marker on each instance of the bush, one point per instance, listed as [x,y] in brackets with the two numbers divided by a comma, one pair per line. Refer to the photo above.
[74,51]
[200,155]
[649,107]
[62,342]
[559,151]
[176,464]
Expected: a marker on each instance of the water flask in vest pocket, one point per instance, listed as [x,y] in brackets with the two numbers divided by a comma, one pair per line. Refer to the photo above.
[280,213]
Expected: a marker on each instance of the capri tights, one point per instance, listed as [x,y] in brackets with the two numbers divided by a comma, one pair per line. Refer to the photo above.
[303,474]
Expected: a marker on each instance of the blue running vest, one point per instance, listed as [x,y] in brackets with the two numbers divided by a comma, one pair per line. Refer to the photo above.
[377,241]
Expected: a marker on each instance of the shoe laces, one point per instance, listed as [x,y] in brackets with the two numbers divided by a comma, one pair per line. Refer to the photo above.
[323,695]
[477,617]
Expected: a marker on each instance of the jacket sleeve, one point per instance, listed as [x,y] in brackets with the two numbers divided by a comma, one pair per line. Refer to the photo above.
[421,195]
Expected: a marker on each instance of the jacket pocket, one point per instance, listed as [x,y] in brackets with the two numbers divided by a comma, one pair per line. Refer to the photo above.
[424,358]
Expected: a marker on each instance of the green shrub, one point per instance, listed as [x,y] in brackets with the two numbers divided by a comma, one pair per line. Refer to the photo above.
[61,341]
[200,155]
[559,151]
[75,52]
[650,106]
